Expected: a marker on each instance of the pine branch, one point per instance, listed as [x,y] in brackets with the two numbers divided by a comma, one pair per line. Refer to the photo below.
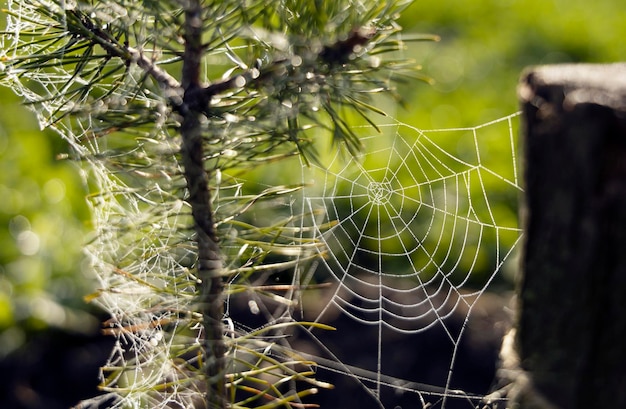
[81,67]
[83,26]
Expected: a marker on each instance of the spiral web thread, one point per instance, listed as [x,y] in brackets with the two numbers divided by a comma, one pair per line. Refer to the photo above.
[415,233]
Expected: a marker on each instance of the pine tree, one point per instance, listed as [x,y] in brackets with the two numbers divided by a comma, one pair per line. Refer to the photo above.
[167,105]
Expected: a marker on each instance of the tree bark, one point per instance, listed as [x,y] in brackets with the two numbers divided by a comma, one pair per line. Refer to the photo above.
[571,320]
[209,263]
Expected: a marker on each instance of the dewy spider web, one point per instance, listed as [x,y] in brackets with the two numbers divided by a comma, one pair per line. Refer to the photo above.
[414,232]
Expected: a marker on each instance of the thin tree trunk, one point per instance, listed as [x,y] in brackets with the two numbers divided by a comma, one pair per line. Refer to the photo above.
[209,263]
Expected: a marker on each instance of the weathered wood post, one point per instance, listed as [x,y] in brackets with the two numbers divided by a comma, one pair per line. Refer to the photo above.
[568,348]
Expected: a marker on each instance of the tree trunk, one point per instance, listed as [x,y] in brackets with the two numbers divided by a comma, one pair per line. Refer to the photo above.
[571,320]
[209,264]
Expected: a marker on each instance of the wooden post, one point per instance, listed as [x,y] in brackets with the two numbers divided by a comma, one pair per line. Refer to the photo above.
[569,341]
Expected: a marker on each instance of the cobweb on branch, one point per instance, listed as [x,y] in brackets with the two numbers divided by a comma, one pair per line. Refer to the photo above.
[415,229]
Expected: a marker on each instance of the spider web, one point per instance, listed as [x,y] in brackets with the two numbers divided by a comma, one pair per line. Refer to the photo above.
[415,230]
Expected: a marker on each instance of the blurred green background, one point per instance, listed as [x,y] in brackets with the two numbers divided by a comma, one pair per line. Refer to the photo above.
[44,221]
[483,49]
[485,45]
